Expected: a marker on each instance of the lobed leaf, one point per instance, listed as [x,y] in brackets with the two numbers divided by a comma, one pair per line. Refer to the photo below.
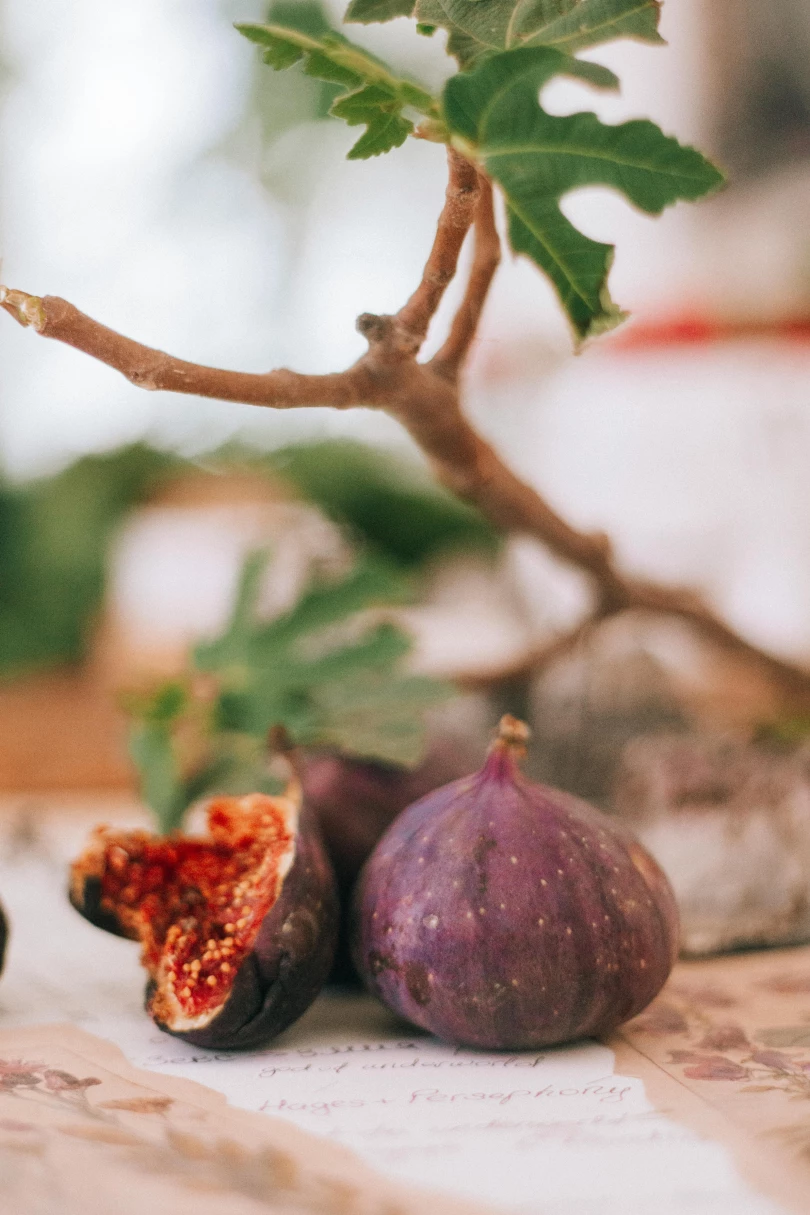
[381,112]
[307,669]
[321,670]
[375,97]
[495,113]
[484,27]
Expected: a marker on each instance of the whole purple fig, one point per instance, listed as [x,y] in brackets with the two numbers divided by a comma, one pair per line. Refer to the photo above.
[237,927]
[504,914]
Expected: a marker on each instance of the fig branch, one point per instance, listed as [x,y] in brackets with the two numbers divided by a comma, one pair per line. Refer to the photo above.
[425,398]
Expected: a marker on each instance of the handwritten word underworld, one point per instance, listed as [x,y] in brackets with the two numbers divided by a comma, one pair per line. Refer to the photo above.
[417,1062]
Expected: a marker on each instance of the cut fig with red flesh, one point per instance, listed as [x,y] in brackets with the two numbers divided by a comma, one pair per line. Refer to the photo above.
[237,927]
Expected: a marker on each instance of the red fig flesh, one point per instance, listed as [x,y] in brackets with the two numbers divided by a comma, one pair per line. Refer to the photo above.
[503,914]
[237,927]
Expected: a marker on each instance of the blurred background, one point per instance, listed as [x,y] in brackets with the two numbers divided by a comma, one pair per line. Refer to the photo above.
[156,174]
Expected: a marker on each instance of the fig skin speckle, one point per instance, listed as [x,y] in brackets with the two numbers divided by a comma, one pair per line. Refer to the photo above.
[541,922]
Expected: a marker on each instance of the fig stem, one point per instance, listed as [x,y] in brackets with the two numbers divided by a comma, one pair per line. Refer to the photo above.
[285,761]
[512,734]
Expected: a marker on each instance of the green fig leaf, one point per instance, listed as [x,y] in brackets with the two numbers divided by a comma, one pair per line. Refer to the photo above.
[537,158]
[328,674]
[363,12]
[352,710]
[484,27]
[152,750]
[380,110]
[374,96]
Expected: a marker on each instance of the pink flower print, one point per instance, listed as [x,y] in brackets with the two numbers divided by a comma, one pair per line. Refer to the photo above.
[775,1059]
[62,1082]
[18,1078]
[683,1056]
[725,1037]
[716,1067]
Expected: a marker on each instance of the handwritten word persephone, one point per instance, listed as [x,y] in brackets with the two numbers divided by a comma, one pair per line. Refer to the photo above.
[599,1090]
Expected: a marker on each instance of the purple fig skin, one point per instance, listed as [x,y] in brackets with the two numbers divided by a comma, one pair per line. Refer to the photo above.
[355,801]
[87,901]
[290,959]
[502,914]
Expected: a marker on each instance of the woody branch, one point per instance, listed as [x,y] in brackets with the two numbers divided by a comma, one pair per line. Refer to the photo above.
[425,398]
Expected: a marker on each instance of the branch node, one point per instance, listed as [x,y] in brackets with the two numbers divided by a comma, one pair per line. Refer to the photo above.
[375,329]
[387,337]
[26,309]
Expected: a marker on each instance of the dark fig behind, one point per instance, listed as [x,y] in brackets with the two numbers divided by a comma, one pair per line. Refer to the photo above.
[355,801]
[237,927]
[503,914]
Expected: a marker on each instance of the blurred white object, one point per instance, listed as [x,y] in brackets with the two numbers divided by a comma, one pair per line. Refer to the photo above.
[176,567]
[730,826]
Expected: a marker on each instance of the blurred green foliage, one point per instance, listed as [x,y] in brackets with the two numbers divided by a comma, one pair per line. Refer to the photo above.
[788,731]
[56,533]
[382,500]
[281,103]
[325,670]
[55,536]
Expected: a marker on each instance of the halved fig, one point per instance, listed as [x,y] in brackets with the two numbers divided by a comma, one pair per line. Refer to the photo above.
[237,927]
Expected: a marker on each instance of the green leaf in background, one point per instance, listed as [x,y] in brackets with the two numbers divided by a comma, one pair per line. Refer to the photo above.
[164,723]
[392,507]
[376,96]
[55,536]
[56,532]
[329,676]
[247,639]
[311,668]
[152,750]
[366,11]
[354,712]
[537,158]
[484,27]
